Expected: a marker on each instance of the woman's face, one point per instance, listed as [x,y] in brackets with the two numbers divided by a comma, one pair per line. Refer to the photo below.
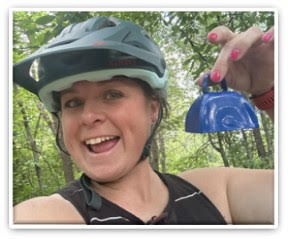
[105,126]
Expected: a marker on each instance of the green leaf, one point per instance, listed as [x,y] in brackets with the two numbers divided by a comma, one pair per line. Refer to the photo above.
[45,19]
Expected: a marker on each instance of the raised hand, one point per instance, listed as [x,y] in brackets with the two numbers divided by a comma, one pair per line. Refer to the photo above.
[246,59]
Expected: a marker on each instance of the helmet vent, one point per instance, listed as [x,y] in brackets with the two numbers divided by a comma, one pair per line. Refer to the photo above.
[98,25]
[62,43]
[148,37]
[107,24]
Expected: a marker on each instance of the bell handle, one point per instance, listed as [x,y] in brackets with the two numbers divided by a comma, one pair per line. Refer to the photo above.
[206,81]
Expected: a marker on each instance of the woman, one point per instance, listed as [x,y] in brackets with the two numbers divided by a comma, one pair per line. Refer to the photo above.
[107,80]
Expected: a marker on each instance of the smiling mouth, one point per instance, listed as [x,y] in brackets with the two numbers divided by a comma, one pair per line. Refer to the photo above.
[101,144]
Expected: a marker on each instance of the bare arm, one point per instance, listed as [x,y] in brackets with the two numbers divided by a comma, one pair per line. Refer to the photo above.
[251,196]
[45,210]
[243,196]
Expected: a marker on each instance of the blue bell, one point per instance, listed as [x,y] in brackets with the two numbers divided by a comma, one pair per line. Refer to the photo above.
[220,111]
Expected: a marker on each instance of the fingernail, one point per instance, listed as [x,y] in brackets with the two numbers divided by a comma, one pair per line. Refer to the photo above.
[212,36]
[266,37]
[234,54]
[215,76]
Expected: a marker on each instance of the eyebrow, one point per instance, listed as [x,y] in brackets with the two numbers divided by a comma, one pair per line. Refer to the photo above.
[67,91]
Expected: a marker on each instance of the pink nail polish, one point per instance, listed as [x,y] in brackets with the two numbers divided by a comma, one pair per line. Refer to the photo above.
[212,36]
[266,37]
[234,54]
[215,76]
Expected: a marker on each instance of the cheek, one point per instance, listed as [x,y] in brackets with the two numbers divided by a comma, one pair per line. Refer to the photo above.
[69,130]
[137,119]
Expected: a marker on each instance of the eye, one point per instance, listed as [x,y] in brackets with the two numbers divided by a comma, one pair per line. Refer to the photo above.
[72,103]
[113,95]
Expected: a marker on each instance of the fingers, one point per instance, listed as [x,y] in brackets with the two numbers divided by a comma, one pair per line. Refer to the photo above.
[268,37]
[234,50]
[201,78]
[220,35]
[199,81]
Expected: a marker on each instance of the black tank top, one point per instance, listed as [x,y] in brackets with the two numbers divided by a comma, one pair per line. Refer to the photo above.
[186,206]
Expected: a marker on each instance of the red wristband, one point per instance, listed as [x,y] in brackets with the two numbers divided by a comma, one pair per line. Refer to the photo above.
[264,101]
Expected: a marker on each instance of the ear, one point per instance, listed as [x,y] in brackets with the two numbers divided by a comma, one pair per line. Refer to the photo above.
[155,107]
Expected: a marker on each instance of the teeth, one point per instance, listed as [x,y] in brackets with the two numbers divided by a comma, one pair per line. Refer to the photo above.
[99,140]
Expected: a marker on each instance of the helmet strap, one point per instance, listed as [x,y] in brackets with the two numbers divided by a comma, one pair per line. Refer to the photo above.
[147,145]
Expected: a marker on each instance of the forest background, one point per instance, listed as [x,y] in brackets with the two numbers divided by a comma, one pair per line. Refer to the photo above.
[40,168]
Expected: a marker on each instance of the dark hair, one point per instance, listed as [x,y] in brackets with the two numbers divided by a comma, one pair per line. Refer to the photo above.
[150,94]
[59,139]
[153,94]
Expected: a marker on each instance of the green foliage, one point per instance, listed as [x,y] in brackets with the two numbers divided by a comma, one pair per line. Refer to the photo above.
[182,38]
[25,179]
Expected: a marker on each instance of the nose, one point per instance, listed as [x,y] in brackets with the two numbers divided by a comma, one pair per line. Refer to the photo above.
[93,114]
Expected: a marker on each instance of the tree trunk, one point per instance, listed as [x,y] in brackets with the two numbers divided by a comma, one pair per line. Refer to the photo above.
[163,153]
[259,143]
[246,145]
[67,163]
[154,159]
[67,167]
[268,136]
[220,149]
[31,141]
[227,138]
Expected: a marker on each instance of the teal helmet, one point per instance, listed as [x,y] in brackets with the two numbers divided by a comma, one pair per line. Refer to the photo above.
[95,50]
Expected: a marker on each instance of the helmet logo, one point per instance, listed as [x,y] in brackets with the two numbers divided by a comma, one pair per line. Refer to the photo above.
[99,43]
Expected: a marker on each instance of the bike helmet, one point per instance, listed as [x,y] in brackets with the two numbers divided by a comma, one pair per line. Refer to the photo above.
[94,50]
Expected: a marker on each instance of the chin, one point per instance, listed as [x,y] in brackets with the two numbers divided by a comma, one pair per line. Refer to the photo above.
[107,168]
[105,175]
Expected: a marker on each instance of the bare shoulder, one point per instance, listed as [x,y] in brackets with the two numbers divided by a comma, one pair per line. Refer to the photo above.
[221,176]
[194,174]
[45,210]
[211,182]
[208,180]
